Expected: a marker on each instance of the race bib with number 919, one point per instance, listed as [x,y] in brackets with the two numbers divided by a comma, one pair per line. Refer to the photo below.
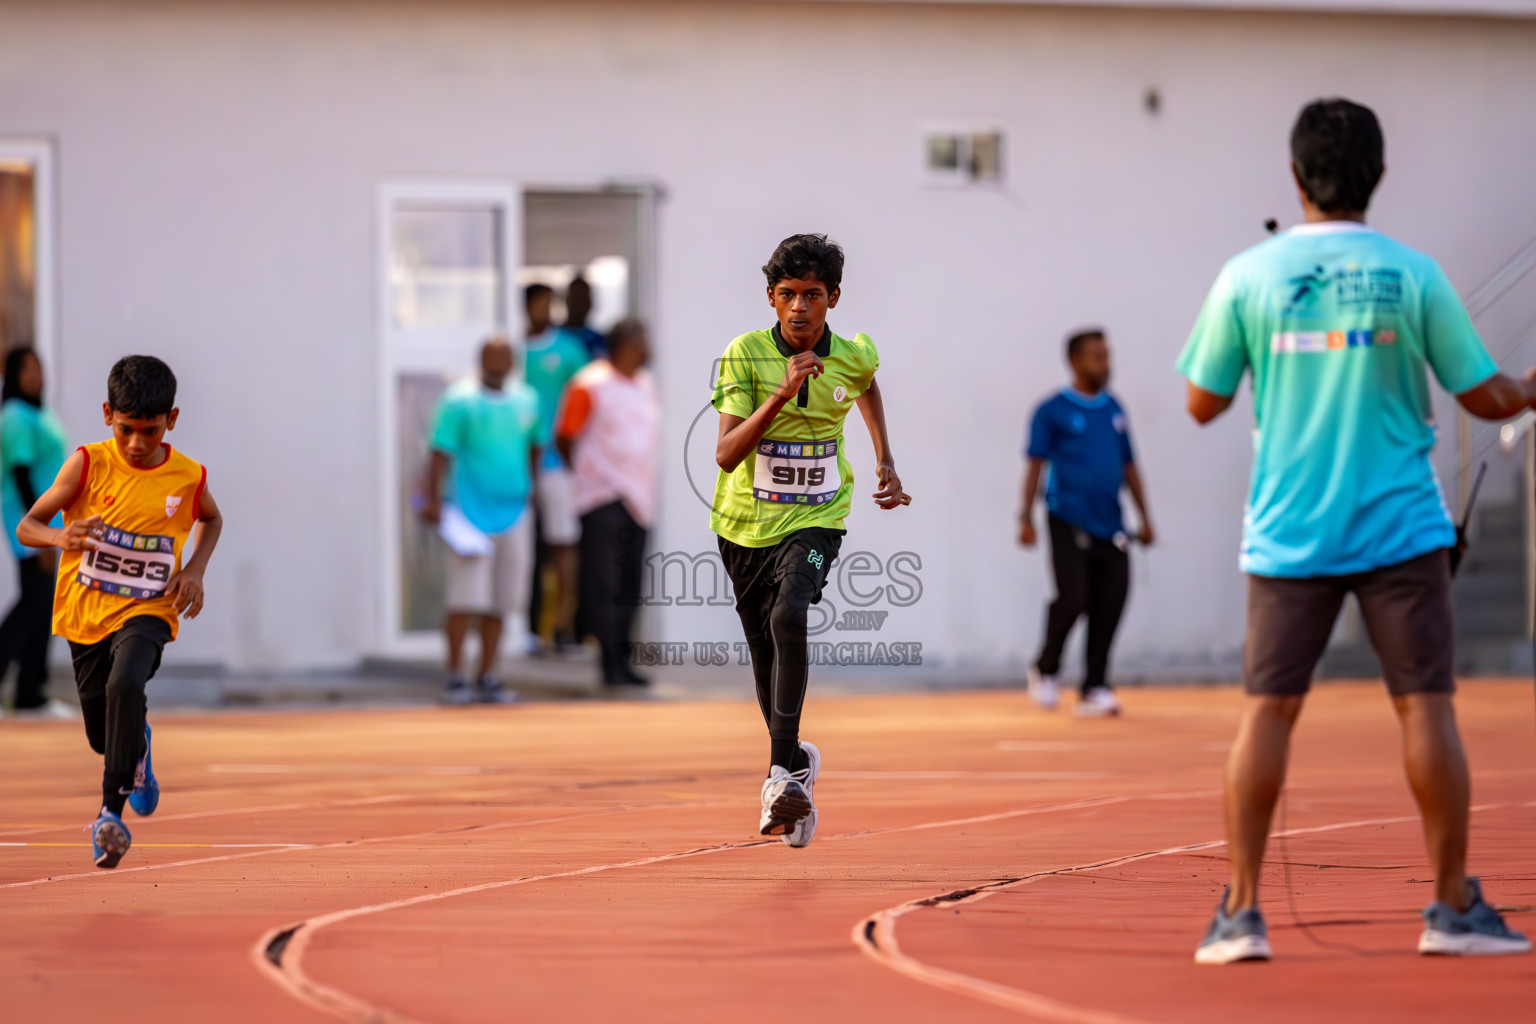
[130,565]
[796,472]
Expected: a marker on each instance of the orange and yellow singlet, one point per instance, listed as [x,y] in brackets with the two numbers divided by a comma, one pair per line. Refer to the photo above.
[149,515]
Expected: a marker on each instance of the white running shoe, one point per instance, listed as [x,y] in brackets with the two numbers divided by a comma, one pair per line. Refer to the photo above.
[1044,690]
[53,711]
[1101,702]
[785,802]
[805,829]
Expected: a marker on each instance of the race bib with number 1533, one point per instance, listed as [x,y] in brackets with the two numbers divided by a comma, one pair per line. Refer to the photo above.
[132,565]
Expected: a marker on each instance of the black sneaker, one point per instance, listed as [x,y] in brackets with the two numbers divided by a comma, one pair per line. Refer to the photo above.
[490,691]
[458,692]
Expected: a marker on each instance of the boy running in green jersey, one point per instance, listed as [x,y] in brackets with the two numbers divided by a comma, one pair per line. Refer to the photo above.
[783,490]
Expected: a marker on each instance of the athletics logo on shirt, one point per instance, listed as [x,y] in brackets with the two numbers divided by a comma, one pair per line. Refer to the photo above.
[172,504]
[839,393]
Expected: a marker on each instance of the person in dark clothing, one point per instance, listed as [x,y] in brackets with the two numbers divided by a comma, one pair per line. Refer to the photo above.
[578,308]
[610,432]
[31,452]
[1082,434]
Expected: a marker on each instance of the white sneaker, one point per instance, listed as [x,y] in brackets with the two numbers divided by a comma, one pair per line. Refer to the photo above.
[53,711]
[805,829]
[1044,690]
[785,802]
[1101,702]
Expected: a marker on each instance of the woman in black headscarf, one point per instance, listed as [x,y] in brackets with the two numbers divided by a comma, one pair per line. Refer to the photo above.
[32,452]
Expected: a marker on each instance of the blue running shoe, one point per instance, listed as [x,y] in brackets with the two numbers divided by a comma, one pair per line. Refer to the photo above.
[1480,931]
[1240,936]
[110,839]
[146,791]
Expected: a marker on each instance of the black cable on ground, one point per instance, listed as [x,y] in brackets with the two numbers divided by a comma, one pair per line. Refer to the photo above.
[1290,898]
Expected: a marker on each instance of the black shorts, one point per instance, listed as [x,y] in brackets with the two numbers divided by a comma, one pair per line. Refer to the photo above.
[810,551]
[93,662]
[1407,613]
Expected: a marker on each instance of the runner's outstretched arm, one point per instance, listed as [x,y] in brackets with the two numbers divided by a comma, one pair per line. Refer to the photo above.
[739,436]
[34,531]
[872,406]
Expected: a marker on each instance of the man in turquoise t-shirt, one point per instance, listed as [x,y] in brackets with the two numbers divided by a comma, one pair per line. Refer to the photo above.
[487,430]
[1339,327]
[553,356]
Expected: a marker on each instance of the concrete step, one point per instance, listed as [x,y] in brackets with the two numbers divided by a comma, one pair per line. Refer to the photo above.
[1492,621]
[1483,656]
[1499,656]
[1501,520]
[1476,589]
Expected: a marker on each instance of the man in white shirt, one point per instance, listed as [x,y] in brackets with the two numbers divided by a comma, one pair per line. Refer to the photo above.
[610,432]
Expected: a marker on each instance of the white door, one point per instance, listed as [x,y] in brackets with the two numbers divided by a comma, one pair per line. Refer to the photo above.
[448,259]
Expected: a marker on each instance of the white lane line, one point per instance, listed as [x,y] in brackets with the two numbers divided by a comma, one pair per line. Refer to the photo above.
[279,954]
[353,769]
[875,936]
[195,846]
[950,775]
[223,812]
[366,841]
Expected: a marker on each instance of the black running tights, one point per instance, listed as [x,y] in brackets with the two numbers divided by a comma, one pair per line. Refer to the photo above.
[774,622]
[111,676]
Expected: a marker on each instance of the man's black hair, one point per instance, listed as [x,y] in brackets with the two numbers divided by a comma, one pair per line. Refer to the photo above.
[623,331]
[141,387]
[802,256]
[1077,340]
[15,359]
[1337,149]
[534,290]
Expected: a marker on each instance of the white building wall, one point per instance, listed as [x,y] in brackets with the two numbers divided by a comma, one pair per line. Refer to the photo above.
[217,173]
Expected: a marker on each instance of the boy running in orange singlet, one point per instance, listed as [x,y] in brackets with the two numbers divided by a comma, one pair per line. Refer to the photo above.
[130,505]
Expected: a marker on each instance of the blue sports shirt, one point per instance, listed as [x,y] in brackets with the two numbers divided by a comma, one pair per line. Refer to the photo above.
[1337,324]
[1087,442]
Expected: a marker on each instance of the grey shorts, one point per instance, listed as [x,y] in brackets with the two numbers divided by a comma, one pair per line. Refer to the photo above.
[1407,613]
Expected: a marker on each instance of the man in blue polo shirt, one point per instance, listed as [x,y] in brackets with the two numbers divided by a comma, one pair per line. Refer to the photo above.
[1082,434]
[1338,326]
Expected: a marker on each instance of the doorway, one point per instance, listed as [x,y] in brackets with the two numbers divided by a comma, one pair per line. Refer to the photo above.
[454,264]
[27,310]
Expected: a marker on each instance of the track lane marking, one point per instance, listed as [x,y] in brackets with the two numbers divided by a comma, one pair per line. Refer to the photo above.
[340,844]
[279,954]
[875,936]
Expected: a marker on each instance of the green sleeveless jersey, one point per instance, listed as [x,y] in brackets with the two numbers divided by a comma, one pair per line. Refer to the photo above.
[797,476]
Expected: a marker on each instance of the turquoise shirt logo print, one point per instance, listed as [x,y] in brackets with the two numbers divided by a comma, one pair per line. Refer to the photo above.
[1308,287]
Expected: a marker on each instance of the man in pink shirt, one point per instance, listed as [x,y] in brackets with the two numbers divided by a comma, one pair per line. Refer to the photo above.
[610,433]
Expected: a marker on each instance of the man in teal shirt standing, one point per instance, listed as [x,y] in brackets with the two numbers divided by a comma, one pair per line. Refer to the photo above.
[487,431]
[1338,326]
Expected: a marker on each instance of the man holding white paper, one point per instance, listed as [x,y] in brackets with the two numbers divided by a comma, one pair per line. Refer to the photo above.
[486,430]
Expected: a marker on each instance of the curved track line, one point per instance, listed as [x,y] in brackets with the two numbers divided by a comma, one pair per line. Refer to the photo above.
[875,936]
[367,841]
[279,954]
